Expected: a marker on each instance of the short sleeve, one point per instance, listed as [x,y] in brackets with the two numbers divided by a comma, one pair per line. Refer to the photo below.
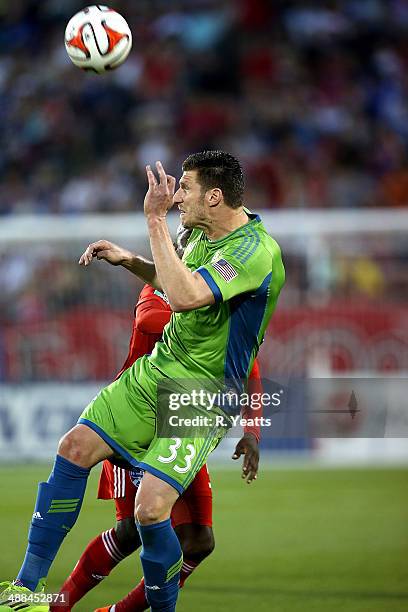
[229,275]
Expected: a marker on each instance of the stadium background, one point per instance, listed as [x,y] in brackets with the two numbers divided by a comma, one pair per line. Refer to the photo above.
[312,97]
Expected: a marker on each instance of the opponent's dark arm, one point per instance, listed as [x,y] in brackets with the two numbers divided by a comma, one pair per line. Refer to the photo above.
[118,256]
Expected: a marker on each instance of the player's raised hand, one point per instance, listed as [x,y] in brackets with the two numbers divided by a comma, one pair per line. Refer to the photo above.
[248,446]
[103,249]
[159,196]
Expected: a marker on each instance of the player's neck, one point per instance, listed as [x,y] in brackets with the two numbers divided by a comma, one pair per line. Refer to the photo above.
[225,223]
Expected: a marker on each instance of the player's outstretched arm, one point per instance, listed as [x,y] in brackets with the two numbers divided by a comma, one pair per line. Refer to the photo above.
[118,256]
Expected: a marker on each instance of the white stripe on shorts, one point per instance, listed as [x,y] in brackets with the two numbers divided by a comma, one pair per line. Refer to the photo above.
[119,482]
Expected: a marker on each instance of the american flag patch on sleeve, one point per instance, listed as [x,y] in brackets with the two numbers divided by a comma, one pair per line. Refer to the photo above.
[224,268]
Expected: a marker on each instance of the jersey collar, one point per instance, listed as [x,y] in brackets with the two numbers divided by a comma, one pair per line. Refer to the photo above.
[253,217]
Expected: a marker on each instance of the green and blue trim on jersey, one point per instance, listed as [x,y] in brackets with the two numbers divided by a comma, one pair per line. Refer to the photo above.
[248,246]
[211,283]
[241,341]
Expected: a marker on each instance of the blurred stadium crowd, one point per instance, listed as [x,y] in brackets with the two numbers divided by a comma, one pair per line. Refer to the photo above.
[312,96]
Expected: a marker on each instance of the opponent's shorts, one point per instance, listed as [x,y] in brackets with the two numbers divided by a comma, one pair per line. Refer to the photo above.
[193,507]
[124,415]
[117,483]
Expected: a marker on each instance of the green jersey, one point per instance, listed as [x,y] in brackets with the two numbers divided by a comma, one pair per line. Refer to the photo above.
[200,350]
[245,272]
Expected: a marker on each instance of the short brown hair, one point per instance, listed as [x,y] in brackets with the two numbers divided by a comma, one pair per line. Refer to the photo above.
[218,169]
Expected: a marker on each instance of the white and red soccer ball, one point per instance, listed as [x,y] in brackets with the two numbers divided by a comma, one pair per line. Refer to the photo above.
[98,39]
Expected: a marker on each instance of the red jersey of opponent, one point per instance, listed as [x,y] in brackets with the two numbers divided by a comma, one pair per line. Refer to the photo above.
[152,313]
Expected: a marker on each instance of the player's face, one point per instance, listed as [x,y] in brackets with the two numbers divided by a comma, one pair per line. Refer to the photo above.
[191,201]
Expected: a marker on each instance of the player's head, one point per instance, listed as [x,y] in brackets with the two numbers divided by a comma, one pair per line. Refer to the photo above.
[182,236]
[210,179]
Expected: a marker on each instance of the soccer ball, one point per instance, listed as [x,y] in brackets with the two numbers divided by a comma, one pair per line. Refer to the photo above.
[98,39]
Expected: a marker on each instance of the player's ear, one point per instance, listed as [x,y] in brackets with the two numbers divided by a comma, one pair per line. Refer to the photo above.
[214,196]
